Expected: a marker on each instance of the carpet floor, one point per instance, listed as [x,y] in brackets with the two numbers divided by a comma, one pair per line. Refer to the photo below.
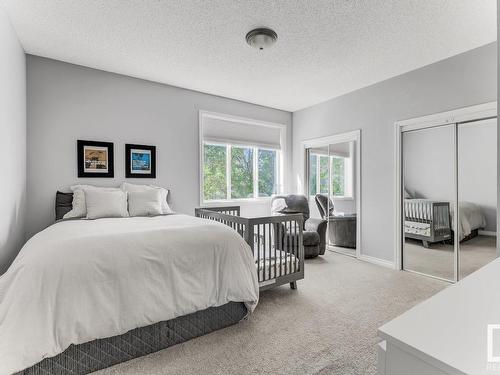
[327,326]
[438,260]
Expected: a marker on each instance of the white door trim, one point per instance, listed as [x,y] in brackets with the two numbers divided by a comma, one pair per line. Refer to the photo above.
[355,136]
[472,113]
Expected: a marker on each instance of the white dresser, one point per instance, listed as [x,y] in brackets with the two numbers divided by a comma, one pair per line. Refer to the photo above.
[448,333]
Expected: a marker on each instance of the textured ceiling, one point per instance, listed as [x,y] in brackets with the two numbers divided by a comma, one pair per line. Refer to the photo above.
[325,47]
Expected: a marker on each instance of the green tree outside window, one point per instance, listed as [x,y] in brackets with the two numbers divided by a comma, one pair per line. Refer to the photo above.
[214,172]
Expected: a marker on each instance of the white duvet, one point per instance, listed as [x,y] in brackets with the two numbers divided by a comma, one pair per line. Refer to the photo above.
[471,218]
[85,279]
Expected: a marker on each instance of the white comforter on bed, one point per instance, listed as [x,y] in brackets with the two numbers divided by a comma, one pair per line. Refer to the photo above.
[471,218]
[85,279]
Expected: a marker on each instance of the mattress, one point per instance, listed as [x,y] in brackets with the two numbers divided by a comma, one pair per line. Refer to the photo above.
[276,264]
[413,227]
[102,353]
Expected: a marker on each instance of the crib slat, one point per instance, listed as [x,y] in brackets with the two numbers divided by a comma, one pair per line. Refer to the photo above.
[280,241]
[258,253]
[269,249]
[273,246]
[294,229]
[296,249]
[264,249]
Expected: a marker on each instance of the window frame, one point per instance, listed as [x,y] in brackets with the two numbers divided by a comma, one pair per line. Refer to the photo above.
[280,159]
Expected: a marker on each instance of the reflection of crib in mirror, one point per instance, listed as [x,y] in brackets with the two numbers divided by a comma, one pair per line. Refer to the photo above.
[426,220]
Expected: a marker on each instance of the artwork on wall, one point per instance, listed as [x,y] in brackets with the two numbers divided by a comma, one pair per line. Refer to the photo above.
[140,161]
[95,159]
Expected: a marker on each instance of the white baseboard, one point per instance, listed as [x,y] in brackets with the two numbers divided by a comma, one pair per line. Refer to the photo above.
[377,261]
[487,233]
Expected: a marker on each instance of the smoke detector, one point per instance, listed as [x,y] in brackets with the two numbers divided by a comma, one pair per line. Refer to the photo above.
[261,38]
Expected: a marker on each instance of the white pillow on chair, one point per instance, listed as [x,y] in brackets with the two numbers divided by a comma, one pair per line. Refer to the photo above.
[102,203]
[131,188]
[145,203]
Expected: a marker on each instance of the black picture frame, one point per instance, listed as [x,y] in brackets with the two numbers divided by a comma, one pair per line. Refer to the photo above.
[85,169]
[145,149]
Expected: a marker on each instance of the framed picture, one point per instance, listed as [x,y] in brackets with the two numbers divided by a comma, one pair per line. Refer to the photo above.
[140,161]
[95,159]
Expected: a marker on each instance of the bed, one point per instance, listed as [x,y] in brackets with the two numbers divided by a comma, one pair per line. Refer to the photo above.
[83,295]
[434,221]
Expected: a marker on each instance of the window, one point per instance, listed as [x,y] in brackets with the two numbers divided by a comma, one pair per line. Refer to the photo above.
[239,172]
[240,158]
[323,174]
[313,173]
[214,172]
[338,181]
[331,174]
[268,175]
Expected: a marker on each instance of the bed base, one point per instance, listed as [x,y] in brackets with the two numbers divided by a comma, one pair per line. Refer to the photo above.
[276,243]
[432,217]
[473,234]
[99,354]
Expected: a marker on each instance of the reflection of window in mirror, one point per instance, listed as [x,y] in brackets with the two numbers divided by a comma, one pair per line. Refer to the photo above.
[336,168]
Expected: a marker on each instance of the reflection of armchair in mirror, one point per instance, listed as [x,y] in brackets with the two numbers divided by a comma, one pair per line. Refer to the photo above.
[341,227]
[314,231]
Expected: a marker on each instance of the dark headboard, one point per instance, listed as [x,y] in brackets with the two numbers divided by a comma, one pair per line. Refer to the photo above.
[64,204]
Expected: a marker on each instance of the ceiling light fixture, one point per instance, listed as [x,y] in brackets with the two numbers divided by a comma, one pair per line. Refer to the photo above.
[261,38]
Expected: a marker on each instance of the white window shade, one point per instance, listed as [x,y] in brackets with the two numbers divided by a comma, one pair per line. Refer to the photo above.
[240,133]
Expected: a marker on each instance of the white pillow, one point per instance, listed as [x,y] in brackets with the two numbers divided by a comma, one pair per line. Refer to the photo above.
[132,188]
[145,203]
[102,203]
[79,206]
[278,205]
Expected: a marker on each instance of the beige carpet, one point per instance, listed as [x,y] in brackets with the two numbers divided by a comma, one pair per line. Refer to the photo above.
[439,260]
[327,326]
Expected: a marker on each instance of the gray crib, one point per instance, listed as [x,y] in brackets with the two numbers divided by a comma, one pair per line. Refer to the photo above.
[276,243]
[427,220]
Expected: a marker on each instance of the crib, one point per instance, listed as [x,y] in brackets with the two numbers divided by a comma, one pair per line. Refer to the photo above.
[427,220]
[276,243]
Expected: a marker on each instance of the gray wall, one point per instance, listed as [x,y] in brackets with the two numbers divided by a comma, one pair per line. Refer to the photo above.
[68,102]
[12,143]
[428,163]
[463,80]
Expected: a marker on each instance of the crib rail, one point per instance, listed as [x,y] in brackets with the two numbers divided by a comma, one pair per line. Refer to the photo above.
[276,242]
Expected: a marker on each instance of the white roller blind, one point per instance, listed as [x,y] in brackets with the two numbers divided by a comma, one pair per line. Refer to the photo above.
[233,132]
[339,149]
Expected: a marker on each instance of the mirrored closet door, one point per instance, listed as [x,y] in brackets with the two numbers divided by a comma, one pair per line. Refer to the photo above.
[477,194]
[428,196]
[342,205]
[333,186]
[448,197]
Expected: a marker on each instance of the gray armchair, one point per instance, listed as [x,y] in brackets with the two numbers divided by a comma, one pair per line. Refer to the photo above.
[314,231]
